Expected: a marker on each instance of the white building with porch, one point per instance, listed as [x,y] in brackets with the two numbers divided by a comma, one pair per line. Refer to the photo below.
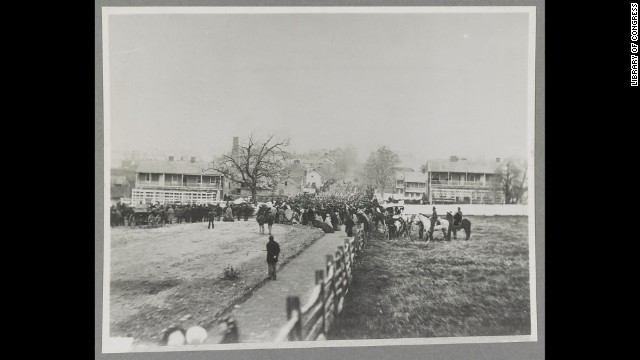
[177,182]
[461,181]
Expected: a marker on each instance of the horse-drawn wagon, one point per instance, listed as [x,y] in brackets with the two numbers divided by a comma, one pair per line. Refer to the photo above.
[140,215]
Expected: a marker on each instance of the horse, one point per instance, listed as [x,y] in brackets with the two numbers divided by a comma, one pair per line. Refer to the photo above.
[409,220]
[464,225]
[402,226]
[443,226]
[363,219]
[377,218]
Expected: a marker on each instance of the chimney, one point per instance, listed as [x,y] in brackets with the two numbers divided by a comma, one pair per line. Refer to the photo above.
[497,160]
[170,158]
[193,159]
[234,149]
[453,158]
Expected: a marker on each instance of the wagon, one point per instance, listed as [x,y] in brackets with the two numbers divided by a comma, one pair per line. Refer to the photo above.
[140,215]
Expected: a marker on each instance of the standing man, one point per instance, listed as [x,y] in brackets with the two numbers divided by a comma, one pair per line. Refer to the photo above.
[270,218]
[273,250]
[218,211]
[311,216]
[211,215]
[261,218]
[170,215]
[239,212]
[245,211]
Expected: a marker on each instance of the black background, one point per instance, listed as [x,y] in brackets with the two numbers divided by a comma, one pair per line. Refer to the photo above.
[590,113]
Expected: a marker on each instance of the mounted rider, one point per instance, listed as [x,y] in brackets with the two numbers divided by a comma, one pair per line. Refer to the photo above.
[434,217]
[457,218]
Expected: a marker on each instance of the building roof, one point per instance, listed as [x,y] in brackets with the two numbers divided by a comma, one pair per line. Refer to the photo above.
[120,187]
[119,180]
[414,176]
[176,167]
[462,166]
[294,179]
[297,170]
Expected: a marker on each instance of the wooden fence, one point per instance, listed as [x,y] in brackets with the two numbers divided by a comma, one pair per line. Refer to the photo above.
[313,320]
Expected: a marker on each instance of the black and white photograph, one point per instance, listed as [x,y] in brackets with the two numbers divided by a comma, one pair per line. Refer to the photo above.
[308,177]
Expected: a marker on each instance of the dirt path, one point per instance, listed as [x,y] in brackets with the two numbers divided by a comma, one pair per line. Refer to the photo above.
[260,318]
[172,275]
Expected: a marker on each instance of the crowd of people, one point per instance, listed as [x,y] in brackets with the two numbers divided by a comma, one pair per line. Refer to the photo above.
[160,214]
[329,213]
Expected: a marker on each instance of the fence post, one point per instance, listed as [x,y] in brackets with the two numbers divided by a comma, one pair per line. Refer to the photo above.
[320,280]
[330,264]
[231,335]
[336,285]
[347,259]
[293,304]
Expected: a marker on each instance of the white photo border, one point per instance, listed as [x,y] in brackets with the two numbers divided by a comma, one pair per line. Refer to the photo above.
[120,345]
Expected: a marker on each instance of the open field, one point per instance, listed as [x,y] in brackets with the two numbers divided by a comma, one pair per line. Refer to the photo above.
[162,275]
[405,289]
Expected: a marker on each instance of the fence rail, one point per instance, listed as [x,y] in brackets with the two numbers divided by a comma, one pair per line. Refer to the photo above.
[313,321]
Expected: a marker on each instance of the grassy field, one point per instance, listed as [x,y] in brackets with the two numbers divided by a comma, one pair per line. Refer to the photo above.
[406,289]
[173,274]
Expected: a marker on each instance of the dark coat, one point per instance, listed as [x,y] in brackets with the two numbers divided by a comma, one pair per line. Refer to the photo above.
[273,251]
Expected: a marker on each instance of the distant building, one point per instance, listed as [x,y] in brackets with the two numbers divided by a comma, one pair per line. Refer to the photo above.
[120,189]
[315,160]
[290,186]
[296,169]
[458,180]
[313,181]
[410,185]
[170,181]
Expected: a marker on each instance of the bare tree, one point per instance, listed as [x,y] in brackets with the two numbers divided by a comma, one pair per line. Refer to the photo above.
[511,180]
[379,168]
[346,160]
[256,164]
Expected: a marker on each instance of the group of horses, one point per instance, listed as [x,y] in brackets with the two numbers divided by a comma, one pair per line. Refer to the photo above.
[398,225]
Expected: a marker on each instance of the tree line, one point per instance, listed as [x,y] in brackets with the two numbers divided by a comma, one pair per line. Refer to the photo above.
[260,164]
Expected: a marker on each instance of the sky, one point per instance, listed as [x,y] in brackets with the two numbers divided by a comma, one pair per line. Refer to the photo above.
[430,85]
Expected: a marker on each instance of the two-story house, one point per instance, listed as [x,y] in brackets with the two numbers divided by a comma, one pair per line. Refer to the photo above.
[312,182]
[171,181]
[410,185]
[461,181]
